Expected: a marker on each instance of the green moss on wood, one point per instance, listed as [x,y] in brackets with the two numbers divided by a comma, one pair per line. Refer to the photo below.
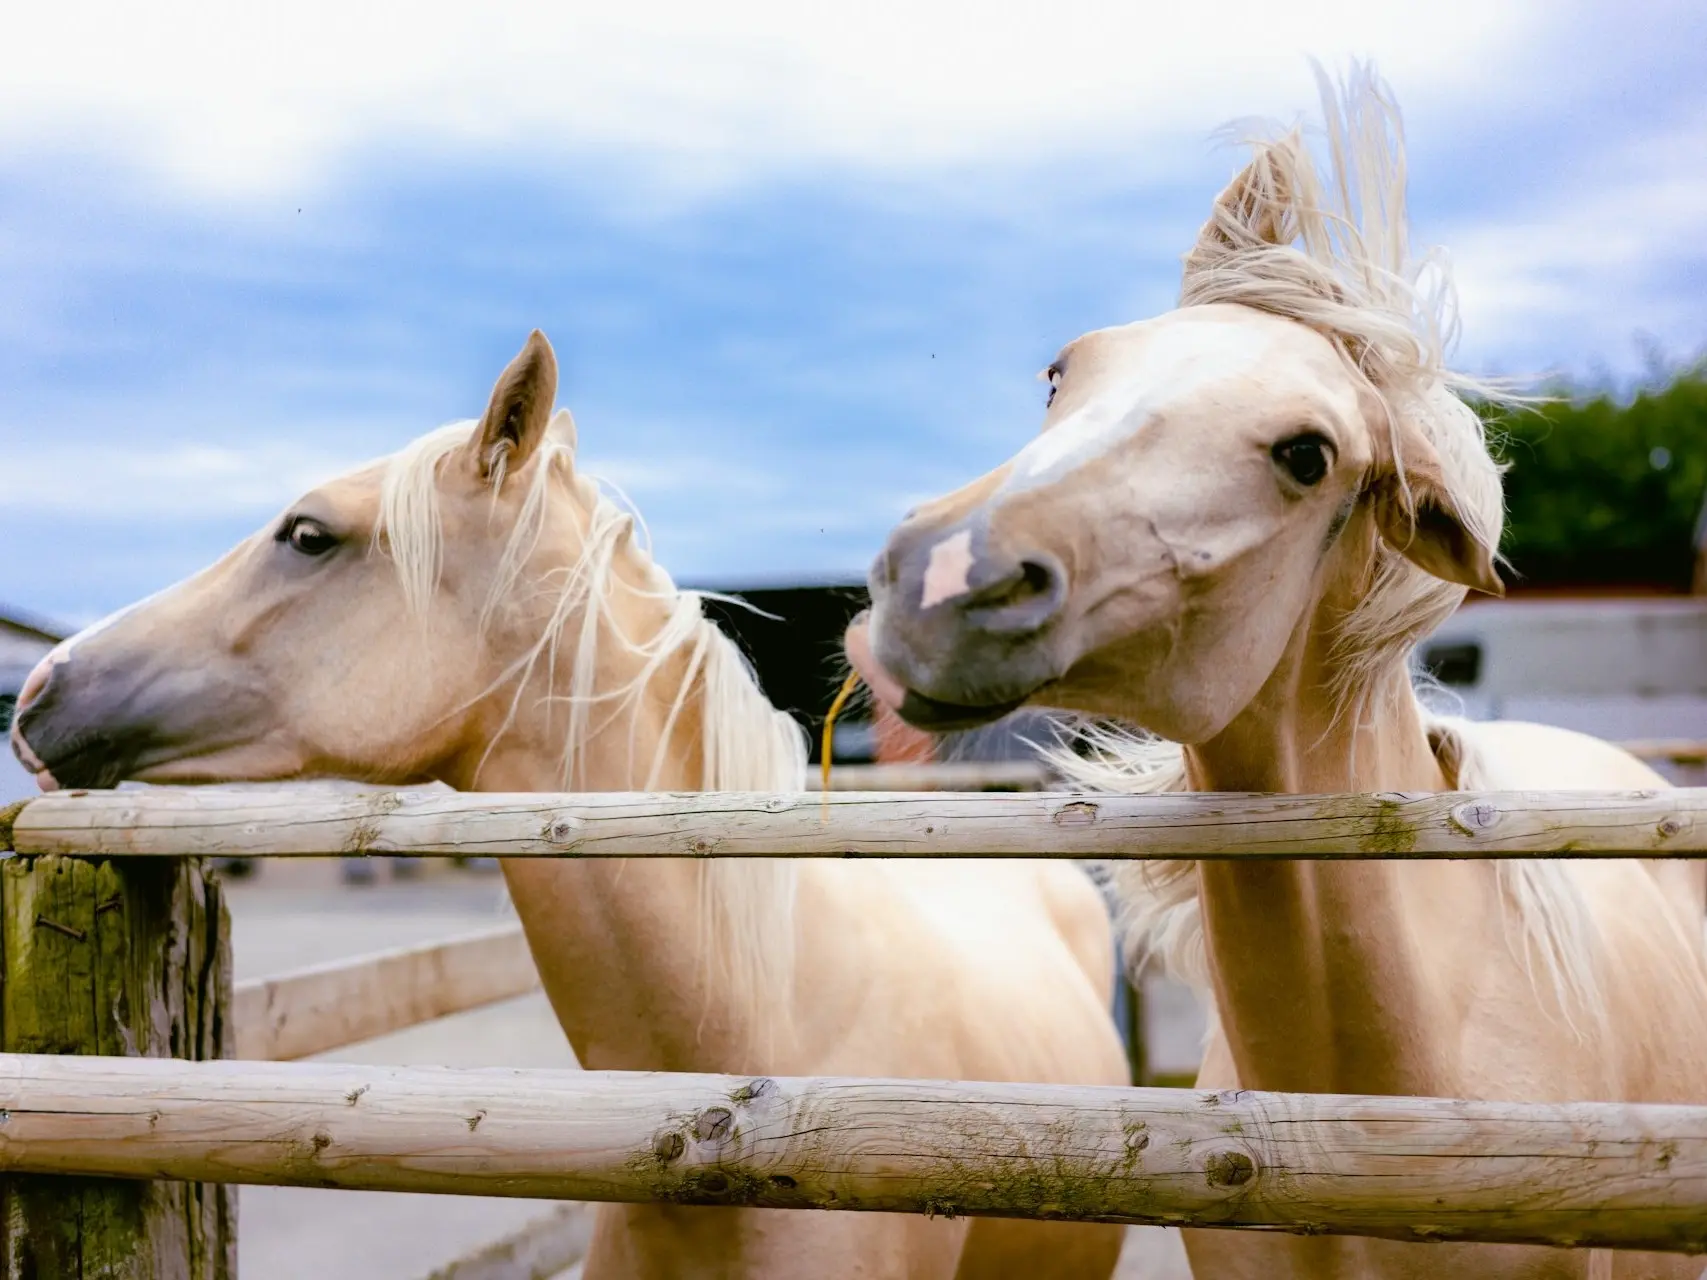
[8,820]
[123,958]
[1392,829]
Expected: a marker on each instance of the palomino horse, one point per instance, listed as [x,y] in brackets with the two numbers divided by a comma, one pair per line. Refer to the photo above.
[1239,519]
[474,610]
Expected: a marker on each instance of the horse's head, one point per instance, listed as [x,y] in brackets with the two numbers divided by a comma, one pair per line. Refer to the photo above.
[1281,449]
[357,635]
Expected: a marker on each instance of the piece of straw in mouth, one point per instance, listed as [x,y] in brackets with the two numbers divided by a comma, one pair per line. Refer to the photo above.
[827,746]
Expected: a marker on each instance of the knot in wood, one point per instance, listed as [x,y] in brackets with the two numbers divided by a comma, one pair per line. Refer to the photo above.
[701,847]
[563,830]
[1474,817]
[1669,827]
[1137,1140]
[712,1124]
[668,1145]
[1229,1169]
[1080,813]
[755,1089]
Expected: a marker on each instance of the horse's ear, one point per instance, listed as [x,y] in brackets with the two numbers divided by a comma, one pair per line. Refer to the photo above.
[564,428]
[519,412]
[1252,211]
[1419,519]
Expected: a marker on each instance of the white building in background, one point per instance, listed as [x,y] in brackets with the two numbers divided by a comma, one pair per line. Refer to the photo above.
[24,642]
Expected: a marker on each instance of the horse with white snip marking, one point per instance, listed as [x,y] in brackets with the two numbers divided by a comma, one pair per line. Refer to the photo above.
[474,610]
[1239,519]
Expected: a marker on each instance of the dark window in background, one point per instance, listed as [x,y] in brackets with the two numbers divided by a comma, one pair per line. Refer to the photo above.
[798,652]
[1453,664]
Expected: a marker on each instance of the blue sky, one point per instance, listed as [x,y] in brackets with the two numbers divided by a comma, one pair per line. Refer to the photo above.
[799,272]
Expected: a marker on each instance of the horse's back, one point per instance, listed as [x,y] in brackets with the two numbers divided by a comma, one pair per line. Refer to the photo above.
[1046,964]
[1656,979]
[1524,756]
[997,970]
[1022,951]
[1519,756]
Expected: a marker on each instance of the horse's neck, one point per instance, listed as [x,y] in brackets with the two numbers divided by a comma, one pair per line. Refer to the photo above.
[618,942]
[1316,980]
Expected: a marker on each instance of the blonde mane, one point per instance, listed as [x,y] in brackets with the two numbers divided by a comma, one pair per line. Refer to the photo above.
[746,904]
[1333,253]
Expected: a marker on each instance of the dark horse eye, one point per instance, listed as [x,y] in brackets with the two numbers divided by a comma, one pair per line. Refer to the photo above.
[307,537]
[1305,458]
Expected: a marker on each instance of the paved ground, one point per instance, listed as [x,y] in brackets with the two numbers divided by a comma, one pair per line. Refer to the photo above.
[298,913]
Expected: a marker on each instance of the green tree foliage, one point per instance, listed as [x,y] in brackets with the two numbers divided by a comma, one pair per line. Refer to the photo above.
[1605,489]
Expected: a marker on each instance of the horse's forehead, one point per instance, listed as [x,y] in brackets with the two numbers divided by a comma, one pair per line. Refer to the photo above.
[1201,364]
[354,489]
[1203,346]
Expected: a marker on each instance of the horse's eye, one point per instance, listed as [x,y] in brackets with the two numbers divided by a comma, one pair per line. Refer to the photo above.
[1305,457]
[307,536]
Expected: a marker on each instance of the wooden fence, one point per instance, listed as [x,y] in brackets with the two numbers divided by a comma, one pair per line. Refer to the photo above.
[166,822]
[116,1162]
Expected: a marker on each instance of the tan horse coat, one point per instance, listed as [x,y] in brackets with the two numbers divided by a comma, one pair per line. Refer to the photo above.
[474,611]
[1238,521]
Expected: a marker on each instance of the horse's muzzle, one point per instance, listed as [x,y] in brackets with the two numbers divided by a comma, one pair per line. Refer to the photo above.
[966,629]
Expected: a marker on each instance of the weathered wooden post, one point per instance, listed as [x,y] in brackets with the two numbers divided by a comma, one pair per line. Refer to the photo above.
[127,957]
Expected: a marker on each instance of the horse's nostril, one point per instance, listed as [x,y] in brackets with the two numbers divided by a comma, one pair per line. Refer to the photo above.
[1036,579]
[1026,583]
[1025,601]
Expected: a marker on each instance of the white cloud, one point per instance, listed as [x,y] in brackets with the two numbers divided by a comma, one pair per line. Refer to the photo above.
[197,481]
[1574,264]
[252,97]
[171,481]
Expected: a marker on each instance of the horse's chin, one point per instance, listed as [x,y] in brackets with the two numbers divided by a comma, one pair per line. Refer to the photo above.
[216,770]
[914,708]
[247,764]
[32,764]
[949,717]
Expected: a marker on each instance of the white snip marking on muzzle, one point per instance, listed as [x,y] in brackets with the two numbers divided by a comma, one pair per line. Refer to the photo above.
[948,570]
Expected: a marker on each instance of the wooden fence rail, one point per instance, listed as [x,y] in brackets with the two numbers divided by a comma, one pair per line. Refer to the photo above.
[942,775]
[543,1248]
[1401,1168]
[331,1005]
[173,822]
[1412,1169]
[1673,750]
[1031,774]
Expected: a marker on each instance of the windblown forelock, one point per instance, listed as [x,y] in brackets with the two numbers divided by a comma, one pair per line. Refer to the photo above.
[1344,268]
